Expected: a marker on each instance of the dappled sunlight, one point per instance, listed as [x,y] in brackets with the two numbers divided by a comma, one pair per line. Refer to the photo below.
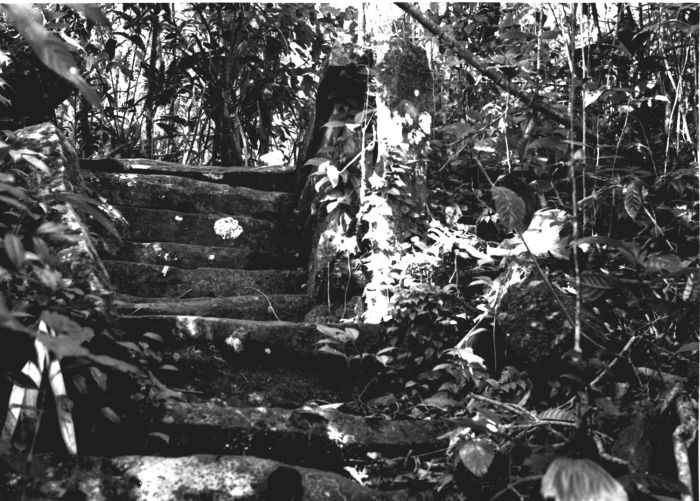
[338,436]
[156,249]
[138,166]
[164,475]
[450,252]
[129,178]
[187,326]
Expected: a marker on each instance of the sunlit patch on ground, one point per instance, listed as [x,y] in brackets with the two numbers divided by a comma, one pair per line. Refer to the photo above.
[187,325]
[338,436]
[128,177]
[166,475]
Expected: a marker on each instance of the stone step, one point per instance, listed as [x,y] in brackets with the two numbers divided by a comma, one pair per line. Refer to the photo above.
[186,195]
[310,436]
[288,307]
[201,477]
[271,177]
[271,343]
[148,280]
[159,225]
[187,256]
[206,373]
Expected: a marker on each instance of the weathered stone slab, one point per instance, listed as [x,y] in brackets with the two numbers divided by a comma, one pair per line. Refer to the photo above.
[188,256]
[204,477]
[147,280]
[289,307]
[186,195]
[268,177]
[309,436]
[159,225]
[205,374]
[539,333]
[268,341]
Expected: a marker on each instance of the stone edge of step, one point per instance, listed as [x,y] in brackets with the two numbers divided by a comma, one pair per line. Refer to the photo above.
[139,165]
[294,337]
[149,478]
[346,431]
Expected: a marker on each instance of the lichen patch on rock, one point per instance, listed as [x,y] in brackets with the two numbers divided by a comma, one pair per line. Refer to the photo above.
[228,228]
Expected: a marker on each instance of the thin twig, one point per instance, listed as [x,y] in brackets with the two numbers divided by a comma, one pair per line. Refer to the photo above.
[268,301]
[510,486]
[511,407]
[572,176]
[347,287]
[600,376]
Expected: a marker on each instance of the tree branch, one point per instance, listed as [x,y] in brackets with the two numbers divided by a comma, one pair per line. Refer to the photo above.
[533,100]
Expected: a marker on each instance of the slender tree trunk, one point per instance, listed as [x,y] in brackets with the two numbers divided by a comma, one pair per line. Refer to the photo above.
[403,102]
[86,146]
[149,104]
[230,141]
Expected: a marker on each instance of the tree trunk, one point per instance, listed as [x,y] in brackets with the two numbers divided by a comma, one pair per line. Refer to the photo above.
[394,187]
[149,104]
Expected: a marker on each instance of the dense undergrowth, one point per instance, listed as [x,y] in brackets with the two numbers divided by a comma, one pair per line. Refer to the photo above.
[611,305]
[631,191]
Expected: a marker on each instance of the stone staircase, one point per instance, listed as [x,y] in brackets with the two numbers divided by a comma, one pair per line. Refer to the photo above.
[210,262]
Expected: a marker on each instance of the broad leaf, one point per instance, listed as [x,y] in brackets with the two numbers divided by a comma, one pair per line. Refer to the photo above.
[510,208]
[555,143]
[80,383]
[91,11]
[688,347]
[317,161]
[109,413]
[22,380]
[99,377]
[567,478]
[14,249]
[557,415]
[477,456]
[87,205]
[633,198]
[331,351]
[333,174]
[161,436]
[153,337]
[50,49]
[664,262]
[441,401]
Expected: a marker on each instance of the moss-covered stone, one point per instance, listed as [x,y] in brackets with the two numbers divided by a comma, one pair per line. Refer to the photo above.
[78,260]
[405,76]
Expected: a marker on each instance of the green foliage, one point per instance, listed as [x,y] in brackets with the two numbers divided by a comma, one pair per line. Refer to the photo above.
[199,83]
[636,198]
[49,48]
[416,363]
[33,290]
[29,231]
[338,168]
[231,83]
